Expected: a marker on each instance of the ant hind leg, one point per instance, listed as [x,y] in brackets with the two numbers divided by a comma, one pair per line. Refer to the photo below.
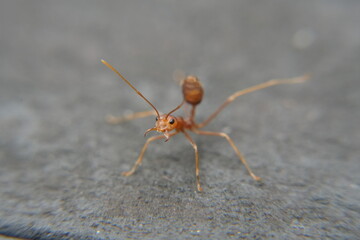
[237,94]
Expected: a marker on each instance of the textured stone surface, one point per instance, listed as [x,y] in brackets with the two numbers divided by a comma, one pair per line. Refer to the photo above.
[61,163]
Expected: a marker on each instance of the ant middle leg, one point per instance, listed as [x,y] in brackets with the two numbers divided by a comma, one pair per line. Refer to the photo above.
[128,117]
[232,144]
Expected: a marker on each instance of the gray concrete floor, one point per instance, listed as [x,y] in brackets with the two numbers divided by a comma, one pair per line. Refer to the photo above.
[61,163]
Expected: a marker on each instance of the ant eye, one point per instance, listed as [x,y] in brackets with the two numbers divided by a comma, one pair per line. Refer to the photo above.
[172,121]
[156,119]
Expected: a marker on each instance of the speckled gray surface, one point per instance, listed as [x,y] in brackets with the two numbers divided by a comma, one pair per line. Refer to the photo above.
[61,163]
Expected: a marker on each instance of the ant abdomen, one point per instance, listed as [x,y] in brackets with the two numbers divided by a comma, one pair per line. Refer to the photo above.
[192,90]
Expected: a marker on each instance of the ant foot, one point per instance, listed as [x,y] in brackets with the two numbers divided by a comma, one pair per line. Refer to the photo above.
[256,178]
[128,173]
[112,120]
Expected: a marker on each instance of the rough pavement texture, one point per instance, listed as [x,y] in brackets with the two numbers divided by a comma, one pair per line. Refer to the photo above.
[61,163]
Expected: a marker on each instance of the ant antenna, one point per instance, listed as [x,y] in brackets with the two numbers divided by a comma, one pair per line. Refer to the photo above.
[139,93]
[175,109]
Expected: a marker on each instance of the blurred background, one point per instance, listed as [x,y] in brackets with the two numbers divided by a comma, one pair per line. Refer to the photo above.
[61,163]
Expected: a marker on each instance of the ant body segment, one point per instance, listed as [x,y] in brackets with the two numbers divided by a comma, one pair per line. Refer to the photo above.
[170,125]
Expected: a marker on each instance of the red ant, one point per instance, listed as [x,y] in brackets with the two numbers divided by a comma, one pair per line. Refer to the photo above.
[170,125]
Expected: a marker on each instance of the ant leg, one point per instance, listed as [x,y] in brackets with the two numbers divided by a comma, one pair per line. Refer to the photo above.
[197,170]
[116,120]
[237,94]
[140,158]
[232,144]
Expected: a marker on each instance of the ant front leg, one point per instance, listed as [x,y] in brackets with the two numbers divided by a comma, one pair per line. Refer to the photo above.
[197,169]
[232,144]
[140,158]
[116,120]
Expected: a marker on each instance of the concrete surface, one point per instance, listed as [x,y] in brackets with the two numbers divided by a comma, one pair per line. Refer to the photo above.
[61,163]
[2,237]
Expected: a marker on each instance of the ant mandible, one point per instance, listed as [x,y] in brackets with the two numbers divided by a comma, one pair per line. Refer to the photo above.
[170,125]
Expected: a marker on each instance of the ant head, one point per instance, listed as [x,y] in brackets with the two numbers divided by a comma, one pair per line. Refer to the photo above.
[166,123]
